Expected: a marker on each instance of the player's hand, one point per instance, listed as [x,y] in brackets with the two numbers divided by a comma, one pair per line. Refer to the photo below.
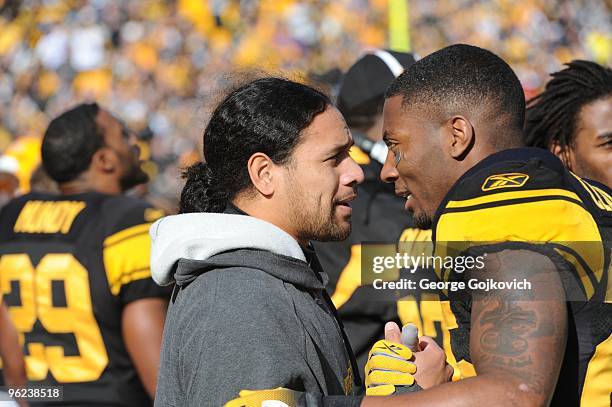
[258,398]
[388,369]
[430,360]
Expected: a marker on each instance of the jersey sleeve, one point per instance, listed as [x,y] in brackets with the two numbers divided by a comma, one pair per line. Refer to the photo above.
[530,204]
[126,252]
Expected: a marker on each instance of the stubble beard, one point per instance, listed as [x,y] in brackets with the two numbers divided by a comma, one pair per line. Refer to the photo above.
[135,176]
[422,221]
[313,222]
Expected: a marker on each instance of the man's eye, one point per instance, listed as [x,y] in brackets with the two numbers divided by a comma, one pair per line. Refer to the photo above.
[606,144]
[338,157]
[341,155]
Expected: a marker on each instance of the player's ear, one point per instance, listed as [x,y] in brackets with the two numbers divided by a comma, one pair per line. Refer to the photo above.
[104,160]
[261,171]
[563,153]
[461,136]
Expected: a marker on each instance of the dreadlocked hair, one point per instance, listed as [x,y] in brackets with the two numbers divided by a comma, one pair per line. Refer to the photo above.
[553,114]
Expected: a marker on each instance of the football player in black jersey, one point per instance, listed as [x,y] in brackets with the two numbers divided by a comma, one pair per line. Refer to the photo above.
[453,124]
[74,267]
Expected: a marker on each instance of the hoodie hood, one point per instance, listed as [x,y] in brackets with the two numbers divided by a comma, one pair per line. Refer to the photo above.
[194,238]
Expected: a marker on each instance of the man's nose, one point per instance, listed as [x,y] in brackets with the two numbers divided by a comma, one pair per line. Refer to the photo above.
[389,171]
[354,174]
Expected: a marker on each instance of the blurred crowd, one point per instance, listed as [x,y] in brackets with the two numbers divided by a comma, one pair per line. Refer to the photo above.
[161,65]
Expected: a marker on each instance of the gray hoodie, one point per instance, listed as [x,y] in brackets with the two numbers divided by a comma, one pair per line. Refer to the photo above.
[249,311]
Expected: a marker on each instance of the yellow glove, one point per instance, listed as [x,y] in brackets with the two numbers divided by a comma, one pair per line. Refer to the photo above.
[256,398]
[388,368]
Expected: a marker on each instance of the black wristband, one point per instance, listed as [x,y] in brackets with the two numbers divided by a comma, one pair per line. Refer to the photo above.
[319,400]
[407,389]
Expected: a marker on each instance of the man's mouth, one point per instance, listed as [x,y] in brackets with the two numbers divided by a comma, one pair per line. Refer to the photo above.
[346,201]
[403,194]
[408,196]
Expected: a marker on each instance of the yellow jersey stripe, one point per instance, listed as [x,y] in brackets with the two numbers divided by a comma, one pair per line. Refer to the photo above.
[599,197]
[606,200]
[573,226]
[503,196]
[415,235]
[587,284]
[350,278]
[128,256]
[129,273]
[608,297]
[585,186]
[128,278]
[598,379]
[127,233]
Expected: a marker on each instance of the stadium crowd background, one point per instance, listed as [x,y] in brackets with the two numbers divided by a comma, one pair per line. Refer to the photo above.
[160,65]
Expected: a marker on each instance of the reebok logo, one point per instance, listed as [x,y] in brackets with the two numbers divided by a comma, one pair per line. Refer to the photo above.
[510,180]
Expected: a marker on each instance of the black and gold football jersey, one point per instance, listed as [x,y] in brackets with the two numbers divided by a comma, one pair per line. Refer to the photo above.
[526,195]
[68,267]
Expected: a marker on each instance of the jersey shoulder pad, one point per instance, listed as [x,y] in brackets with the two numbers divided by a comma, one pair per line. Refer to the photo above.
[526,199]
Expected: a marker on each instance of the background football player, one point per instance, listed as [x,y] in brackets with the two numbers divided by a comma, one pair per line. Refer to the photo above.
[74,267]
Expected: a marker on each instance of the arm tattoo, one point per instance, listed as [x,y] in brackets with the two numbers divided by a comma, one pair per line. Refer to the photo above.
[518,332]
[507,325]
[505,330]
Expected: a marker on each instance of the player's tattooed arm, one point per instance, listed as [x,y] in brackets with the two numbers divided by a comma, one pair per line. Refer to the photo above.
[520,334]
[517,340]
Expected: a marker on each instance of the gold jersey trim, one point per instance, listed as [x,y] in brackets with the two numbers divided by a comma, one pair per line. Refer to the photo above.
[126,256]
[504,196]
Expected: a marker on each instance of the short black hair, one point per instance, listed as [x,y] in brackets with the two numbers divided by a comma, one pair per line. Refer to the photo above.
[553,114]
[70,142]
[265,115]
[463,77]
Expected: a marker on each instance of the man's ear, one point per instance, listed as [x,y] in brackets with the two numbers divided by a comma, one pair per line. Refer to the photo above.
[261,170]
[461,136]
[563,153]
[104,160]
